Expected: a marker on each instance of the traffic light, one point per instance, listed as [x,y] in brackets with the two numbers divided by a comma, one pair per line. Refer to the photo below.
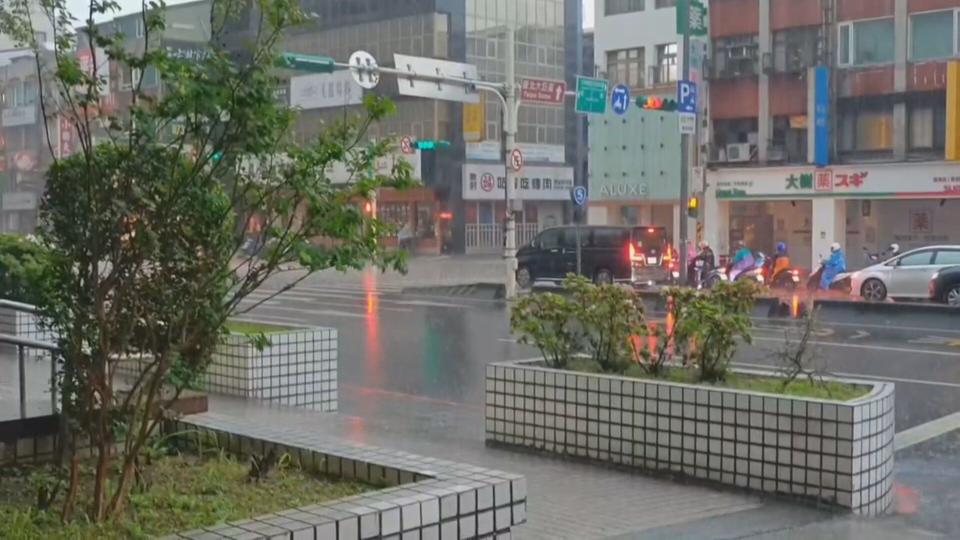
[656,103]
[693,207]
[431,144]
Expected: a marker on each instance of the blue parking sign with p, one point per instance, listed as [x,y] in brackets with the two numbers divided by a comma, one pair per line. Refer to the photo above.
[620,99]
[686,97]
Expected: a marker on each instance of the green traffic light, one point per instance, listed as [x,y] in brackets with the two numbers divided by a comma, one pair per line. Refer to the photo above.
[431,144]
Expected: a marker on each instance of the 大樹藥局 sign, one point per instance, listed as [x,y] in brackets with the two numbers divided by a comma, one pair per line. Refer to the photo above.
[906,180]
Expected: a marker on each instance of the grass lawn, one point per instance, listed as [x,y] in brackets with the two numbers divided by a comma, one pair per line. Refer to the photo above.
[247,328]
[755,383]
[184,492]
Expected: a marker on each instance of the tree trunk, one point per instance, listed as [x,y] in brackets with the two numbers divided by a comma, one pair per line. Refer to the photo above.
[70,500]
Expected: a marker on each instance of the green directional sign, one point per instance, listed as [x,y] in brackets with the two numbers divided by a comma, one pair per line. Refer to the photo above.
[691,16]
[306,62]
[591,95]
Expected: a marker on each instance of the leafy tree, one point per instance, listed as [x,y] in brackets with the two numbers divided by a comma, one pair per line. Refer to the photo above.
[23,263]
[146,221]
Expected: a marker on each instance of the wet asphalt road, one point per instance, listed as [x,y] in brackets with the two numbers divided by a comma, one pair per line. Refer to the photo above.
[435,348]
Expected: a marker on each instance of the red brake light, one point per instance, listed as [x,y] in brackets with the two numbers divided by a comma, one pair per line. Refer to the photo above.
[651,230]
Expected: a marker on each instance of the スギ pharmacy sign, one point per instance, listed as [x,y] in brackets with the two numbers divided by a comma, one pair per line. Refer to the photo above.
[917,180]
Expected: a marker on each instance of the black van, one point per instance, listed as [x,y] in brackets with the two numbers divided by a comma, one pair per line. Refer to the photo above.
[635,255]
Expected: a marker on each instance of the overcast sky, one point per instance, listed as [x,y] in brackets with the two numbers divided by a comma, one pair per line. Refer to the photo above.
[79,8]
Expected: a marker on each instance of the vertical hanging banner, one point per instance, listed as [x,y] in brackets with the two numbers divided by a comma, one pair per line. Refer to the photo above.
[953,112]
[67,140]
[821,116]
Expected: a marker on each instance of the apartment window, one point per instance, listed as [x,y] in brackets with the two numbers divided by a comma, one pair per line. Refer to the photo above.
[795,49]
[626,67]
[866,128]
[139,30]
[666,3]
[866,42]
[928,124]
[666,63]
[735,56]
[616,7]
[933,35]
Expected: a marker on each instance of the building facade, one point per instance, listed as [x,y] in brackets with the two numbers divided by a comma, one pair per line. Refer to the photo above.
[634,158]
[461,206]
[829,124]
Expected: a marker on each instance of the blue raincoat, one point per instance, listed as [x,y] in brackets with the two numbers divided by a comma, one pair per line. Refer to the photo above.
[834,266]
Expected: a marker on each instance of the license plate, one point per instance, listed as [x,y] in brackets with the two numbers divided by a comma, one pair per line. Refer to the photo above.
[651,260]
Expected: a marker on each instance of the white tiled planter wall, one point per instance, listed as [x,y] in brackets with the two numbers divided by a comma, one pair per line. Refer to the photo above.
[837,452]
[298,368]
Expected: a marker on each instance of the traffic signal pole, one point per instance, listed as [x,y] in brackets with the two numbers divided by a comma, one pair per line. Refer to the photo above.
[684,158]
[509,99]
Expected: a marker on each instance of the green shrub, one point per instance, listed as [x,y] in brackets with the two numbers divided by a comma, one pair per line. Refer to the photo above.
[707,325]
[602,322]
[546,321]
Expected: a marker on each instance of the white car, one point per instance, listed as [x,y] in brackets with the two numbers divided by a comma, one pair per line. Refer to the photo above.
[904,276]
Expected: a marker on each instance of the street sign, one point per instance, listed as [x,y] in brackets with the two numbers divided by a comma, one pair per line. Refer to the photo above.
[686,97]
[620,99]
[428,86]
[406,145]
[691,16]
[578,195]
[516,160]
[688,123]
[591,95]
[306,62]
[365,69]
[543,91]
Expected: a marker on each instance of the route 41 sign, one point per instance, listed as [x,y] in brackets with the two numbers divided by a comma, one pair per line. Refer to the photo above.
[578,195]
[620,99]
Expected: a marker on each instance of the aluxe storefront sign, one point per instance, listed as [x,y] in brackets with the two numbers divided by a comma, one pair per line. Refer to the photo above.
[936,180]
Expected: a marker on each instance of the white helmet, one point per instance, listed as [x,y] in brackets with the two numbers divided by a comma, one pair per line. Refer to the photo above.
[895,248]
[835,247]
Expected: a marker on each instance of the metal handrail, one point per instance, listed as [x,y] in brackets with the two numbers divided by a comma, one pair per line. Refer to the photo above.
[22,345]
[18,306]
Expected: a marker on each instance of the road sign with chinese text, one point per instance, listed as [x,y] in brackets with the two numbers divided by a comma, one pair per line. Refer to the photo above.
[543,91]
[591,95]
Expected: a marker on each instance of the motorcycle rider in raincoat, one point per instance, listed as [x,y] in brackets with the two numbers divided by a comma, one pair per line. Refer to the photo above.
[833,266]
[742,260]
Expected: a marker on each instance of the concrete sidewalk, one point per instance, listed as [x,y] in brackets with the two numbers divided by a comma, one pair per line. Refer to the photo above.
[567,499]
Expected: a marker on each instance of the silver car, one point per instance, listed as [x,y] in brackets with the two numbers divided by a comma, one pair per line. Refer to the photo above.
[905,276]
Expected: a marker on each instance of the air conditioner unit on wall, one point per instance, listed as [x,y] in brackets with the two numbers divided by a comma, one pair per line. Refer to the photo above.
[738,153]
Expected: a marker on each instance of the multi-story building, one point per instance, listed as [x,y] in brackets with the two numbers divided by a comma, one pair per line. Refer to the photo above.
[24,156]
[851,152]
[635,158]
[461,205]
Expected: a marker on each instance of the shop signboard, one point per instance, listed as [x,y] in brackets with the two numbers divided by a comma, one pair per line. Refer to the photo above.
[904,181]
[488,182]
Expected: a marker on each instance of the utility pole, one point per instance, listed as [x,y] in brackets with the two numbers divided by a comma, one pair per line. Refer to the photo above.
[684,151]
[511,109]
